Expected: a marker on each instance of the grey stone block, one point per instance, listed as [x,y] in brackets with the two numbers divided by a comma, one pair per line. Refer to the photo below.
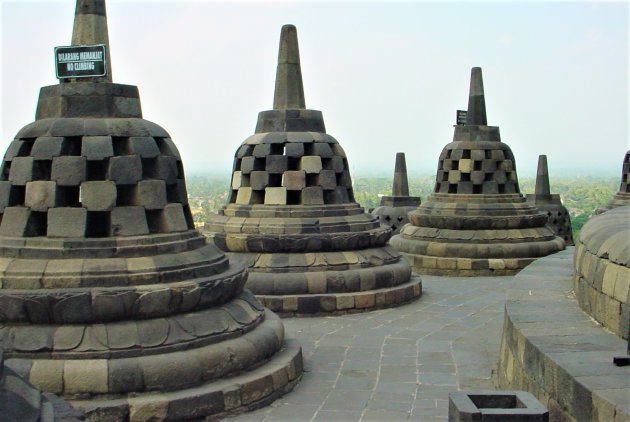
[276,196]
[97,147]
[98,195]
[46,147]
[150,194]
[259,180]
[128,221]
[6,193]
[17,222]
[22,170]
[294,180]
[239,180]
[15,149]
[335,163]
[327,179]
[276,164]
[41,195]
[322,149]
[244,196]
[166,169]
[313,195]
[262,150]
[294,149]
[345,180]
[66,222]
[144,146]
[125,170]
[249,164]
[69,170]
[173,219]
[339,195]
[311,164]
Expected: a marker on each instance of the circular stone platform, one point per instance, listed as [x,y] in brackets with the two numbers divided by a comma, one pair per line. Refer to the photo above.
[602,273]
[554,350]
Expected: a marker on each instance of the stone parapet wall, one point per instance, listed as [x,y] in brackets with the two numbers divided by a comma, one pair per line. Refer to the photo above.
[555,351]
[602,273]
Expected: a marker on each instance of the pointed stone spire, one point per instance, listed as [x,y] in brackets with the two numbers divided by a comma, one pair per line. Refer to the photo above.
[542,177]
[401,185]
[476,99]
[289,92]
[90,27]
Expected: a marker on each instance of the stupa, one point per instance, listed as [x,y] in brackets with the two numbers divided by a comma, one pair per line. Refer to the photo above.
[393,209]
[109,297]
[559,219]
[20,401]
[622,197]
[476,222]
[292,219]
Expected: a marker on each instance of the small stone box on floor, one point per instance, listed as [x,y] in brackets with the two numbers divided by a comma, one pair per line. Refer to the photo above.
[505,406]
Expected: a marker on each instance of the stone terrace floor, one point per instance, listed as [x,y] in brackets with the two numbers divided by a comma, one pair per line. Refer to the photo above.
[397,364]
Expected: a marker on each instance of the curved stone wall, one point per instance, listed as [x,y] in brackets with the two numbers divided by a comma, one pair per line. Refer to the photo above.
[554,350]
[602,276]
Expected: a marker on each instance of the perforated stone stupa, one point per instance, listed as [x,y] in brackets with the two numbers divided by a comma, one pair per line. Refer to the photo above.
[476,222]
[108,296]
[559,219]
[622,197]
[292,219]
[393,210]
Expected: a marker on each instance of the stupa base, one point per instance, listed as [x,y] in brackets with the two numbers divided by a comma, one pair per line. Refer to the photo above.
[343,303]
[211,401]
[465,267]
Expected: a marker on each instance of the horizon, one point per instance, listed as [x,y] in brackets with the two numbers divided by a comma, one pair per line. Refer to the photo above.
[555,74]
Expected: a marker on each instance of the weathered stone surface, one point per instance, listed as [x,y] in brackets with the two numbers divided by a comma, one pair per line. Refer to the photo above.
[67,222]
[309,246]
[476,211]
[107,293]
[98,195]
[41,195]
[69,170]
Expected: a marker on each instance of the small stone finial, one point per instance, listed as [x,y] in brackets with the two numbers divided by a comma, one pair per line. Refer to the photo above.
[90,27]
[401,185]
[542,177]
[476,99]
[289,93]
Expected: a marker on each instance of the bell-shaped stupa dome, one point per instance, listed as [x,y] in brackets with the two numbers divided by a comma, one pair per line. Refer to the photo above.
[476,222]
[109,297]
[292,219]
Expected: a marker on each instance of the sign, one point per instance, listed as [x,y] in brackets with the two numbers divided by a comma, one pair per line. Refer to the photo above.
[461,117]
[80,61]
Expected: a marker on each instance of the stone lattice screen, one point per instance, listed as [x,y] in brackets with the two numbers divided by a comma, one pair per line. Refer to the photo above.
[291,168]
[110,185]
[477,171]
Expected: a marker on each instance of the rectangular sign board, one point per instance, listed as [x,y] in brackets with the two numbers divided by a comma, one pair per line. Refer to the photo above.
[80,61]
[461,117]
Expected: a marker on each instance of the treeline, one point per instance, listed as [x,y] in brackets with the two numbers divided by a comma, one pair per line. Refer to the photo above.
[581,195]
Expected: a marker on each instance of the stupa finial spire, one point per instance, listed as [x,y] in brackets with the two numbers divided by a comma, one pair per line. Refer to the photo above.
[90,27]
[289,92]
[401,185]
[542,177]
[476,99]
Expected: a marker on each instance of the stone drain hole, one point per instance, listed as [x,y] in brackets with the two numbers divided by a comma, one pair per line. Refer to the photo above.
[496,402]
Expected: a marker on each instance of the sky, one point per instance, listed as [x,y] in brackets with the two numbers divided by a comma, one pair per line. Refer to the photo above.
[388,76]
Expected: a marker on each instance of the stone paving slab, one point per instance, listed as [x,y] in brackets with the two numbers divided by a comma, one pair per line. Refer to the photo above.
[397,364]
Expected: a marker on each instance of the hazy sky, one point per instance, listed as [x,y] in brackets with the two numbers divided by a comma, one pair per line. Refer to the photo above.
[387,76]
